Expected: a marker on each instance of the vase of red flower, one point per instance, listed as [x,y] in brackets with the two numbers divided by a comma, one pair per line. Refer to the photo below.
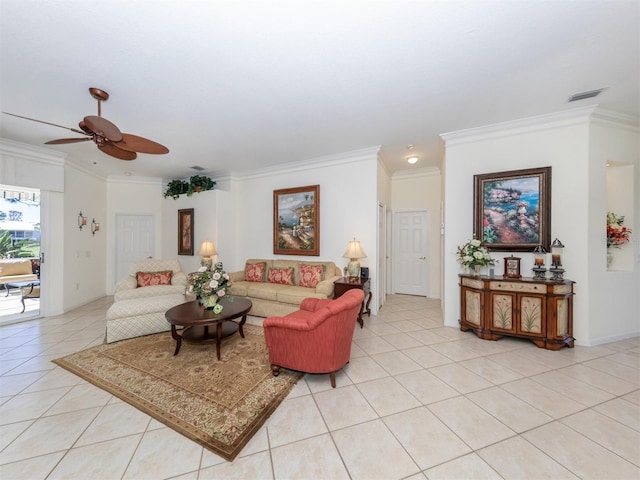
[617,234]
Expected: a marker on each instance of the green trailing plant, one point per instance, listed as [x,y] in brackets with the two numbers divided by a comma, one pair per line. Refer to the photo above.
[199,183]
[175,188]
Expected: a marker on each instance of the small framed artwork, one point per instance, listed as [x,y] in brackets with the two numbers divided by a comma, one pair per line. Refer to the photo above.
[296,221]
[512,267]
[512,210]
[185,231]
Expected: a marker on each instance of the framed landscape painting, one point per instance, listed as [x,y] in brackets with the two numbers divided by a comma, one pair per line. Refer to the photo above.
[512,210]
[185,231]
[296,221]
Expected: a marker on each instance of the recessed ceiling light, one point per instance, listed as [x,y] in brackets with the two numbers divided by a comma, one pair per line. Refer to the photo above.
[412,159]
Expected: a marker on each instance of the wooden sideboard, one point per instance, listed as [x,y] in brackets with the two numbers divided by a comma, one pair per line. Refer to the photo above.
[540,310]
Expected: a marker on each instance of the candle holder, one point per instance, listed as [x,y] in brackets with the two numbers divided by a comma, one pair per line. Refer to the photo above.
[539,270]
[556,260]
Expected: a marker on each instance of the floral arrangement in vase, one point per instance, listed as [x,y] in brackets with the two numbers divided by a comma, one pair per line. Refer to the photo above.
[617,233]
[209,285]
[473,255]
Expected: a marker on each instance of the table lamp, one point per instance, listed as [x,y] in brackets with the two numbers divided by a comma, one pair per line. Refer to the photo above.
[207,250]
[354,252]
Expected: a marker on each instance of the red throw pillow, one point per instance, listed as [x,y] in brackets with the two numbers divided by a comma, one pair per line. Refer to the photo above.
[254,272]
[282,276]
[146,279]
[310,275]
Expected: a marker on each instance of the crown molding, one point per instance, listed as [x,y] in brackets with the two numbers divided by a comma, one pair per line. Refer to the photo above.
[370,153]
[551,121]
[416,172]
[31,152]
[135,180]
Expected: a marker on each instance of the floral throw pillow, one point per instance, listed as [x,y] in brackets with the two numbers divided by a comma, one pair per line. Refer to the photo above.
[310,275]
[282,276]
[147,279]
[254,272]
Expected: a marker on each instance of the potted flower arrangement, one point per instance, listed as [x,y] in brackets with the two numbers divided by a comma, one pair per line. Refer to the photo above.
[473,255]
[209,286]
[617,233]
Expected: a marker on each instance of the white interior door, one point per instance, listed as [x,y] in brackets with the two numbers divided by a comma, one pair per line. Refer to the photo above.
[135,240]
[410,252]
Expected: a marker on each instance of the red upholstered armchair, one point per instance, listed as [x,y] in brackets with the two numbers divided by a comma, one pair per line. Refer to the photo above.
[316,338]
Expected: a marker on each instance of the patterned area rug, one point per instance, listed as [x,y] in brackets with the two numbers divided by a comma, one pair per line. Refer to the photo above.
[219,404]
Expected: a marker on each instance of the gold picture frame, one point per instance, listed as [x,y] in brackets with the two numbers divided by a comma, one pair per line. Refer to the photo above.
[296,221]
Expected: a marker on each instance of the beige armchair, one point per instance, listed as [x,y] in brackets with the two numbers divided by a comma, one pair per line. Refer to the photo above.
[141,301]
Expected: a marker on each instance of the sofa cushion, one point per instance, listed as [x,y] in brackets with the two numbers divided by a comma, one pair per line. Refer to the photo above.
[149,292]
[263,291]
[281,276]
[21,266]
[311,275]
[255,272]
[141,306]
[146,279]
[295,295]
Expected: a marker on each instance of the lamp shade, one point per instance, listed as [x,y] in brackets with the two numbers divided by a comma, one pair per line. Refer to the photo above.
[354,250]
[207,249]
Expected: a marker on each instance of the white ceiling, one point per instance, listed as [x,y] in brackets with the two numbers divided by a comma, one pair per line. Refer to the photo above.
[236,86]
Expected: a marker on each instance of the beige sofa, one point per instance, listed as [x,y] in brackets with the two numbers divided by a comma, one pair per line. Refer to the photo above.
[16,270]
[270,299]
[138,311]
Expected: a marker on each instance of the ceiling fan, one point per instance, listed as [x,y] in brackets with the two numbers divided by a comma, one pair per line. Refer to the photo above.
[105,134]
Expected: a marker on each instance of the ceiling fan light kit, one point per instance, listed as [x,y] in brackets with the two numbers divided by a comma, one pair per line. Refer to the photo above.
[106,135]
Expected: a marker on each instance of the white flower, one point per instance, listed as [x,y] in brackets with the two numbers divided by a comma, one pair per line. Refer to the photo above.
[221,293]
[213,284]
[478,255]
[475,242]
[216,276]
[202,269]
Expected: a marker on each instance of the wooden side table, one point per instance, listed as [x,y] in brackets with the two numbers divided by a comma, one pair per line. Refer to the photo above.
[343,284]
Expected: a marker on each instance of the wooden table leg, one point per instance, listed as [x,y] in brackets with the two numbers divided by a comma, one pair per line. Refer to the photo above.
[218,338]
[177,338]
[244,319]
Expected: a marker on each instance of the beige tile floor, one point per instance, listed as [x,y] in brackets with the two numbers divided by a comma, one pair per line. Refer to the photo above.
[418,400]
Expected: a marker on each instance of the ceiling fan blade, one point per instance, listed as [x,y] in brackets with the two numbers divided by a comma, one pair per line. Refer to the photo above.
[47,123]
[84,128]
[103,127]
[114,151]
[61,141]
[133,143]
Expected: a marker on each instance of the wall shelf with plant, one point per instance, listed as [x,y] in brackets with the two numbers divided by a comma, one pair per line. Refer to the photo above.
[197,183]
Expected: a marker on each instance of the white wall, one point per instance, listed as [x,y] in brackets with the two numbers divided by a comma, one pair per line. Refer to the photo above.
[348,208]
[562,141]
[614,304]
[84,253]
[421,190]
[132,196]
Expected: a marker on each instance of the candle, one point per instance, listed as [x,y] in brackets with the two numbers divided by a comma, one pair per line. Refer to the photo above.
[555,260]
[539,261]
[97,227]
[84,220]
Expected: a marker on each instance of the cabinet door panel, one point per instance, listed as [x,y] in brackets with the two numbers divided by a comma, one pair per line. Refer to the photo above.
[502,311]
[472,311]
[531,315]
[562,314]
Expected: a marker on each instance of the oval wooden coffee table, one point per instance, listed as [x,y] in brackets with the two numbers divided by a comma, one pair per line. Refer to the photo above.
[198,322]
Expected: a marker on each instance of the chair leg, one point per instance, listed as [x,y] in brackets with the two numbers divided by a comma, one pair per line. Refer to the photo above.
[275,369]
[332,376]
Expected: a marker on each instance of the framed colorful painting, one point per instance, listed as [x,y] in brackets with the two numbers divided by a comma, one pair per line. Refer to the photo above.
[512,210]
[185,231]
[296,221]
